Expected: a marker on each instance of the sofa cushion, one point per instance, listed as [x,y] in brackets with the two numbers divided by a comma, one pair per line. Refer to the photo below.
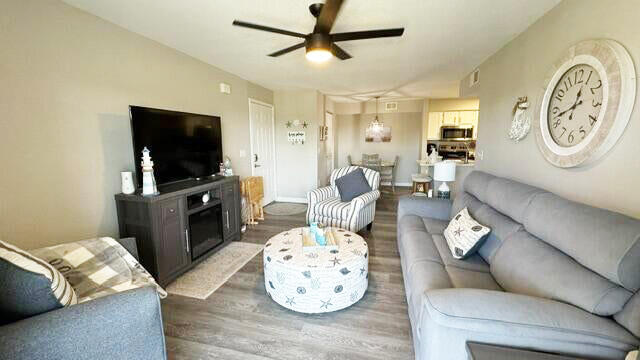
[501,228]
[629,317]
[333,208]
[473,262]
[527,265]
[424,275]
[464,235]
[477,183]
[418,246]
[465,200]
[449,322]
[510,197]
[603,241]
[352,185]
[434,226]
[470,279]
[30,286]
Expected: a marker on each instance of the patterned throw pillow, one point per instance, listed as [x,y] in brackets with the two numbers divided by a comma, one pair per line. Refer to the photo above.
[464,235]
[30,286]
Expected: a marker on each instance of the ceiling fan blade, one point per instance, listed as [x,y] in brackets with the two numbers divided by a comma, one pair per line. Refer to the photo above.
[369,34]
[289,49]
[339,52]
[267,28]
[328,16]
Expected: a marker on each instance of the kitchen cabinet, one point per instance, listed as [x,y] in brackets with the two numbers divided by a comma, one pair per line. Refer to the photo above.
[468,118]
[433,125]
[437,119]
[451,118]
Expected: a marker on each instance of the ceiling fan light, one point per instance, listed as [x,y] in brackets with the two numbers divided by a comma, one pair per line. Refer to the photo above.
[318,55]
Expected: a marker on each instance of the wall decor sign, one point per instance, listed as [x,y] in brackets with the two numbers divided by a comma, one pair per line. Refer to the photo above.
[585,103]
[296,137]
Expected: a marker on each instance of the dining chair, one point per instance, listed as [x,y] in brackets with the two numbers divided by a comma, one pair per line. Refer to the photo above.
[369,157]
[372,163]
[388,174]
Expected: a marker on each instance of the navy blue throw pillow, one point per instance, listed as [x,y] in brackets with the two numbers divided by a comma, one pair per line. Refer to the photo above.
[352,185]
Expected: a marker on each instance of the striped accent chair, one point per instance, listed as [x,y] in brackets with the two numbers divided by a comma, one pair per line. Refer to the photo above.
[326,208]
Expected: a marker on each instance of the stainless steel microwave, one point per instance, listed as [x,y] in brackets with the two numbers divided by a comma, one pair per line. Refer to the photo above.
[456,133]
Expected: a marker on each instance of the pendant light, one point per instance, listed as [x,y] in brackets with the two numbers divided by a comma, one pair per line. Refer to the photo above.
[376,124]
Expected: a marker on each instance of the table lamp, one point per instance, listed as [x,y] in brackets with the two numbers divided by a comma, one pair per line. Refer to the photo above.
[444,171]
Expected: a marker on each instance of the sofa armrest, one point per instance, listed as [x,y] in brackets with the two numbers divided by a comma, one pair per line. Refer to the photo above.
[359,202]
[124,325]
[424,207]
[450,318]
[130,245]
[317,195]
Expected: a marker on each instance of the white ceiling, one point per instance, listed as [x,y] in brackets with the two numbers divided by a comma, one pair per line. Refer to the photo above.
[443,40]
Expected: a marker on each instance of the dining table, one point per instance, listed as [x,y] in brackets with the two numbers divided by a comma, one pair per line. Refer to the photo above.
[383,163]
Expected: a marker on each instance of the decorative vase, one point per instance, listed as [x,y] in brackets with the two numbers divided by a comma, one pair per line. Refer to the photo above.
[127,182]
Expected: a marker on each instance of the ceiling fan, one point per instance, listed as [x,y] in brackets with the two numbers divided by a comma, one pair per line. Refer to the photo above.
[320,44]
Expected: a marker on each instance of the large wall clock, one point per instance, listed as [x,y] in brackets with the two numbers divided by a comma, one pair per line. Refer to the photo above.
[586,103]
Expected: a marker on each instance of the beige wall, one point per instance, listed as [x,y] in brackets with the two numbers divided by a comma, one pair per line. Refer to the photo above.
[405,136]
[296,165]
[458,104]
[67,81]
[519,70]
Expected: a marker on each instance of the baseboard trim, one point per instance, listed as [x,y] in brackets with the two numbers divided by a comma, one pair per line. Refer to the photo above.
[291,199]
[398,184]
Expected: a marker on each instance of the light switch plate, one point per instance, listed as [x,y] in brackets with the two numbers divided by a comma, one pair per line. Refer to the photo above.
[243,153]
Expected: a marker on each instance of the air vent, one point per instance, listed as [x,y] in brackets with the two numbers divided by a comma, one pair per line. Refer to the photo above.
[474,78]
[391,106]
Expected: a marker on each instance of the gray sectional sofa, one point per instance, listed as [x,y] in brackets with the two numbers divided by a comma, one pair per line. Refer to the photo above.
[553,275]
[126,325]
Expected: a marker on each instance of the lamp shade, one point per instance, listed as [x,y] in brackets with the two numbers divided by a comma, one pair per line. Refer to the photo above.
[444,171]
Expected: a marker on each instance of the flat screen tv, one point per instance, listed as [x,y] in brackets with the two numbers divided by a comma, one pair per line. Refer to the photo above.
[183,145]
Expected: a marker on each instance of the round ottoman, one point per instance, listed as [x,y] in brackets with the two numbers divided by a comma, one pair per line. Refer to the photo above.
[317,281]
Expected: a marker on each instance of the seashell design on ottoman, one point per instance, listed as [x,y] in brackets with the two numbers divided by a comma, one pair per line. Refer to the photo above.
[324,282]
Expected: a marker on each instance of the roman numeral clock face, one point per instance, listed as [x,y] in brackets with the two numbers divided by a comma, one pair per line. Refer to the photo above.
[575,105]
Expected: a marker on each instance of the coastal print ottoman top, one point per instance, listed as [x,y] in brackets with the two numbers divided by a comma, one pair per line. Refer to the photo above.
[316,281]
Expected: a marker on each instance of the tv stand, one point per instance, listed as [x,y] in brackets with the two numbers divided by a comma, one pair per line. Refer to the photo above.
[175,230]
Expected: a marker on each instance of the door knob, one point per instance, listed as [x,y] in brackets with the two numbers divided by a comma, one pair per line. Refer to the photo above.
[255,157]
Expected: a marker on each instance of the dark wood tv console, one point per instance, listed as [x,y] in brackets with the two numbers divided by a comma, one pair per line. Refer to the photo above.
[161,223]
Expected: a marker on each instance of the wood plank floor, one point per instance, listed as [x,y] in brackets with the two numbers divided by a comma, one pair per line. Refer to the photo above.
[239,321]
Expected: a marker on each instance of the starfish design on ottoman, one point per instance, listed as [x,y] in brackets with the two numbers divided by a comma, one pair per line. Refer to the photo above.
[290,301]
[322,282]
[326,304]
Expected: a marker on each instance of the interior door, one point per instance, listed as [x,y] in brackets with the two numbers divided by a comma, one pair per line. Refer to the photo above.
[262,147]
[330,143]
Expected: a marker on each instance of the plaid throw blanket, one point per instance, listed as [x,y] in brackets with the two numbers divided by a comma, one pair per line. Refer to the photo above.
[97,267]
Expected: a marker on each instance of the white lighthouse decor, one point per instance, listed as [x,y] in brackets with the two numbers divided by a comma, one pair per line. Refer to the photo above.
[148,180]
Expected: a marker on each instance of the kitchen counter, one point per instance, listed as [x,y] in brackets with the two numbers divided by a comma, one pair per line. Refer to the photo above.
[458,163]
